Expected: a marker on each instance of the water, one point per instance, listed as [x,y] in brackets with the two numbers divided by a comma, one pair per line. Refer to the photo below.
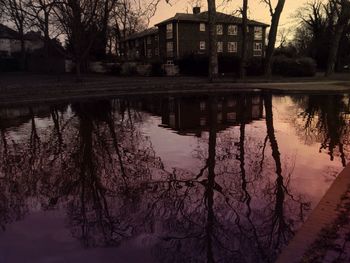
[197,178]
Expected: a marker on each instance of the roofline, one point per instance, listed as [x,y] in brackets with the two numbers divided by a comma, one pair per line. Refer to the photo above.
[174,19]
[134,35]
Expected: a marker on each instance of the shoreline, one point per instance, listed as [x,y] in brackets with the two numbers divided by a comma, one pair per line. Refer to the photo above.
[32,88]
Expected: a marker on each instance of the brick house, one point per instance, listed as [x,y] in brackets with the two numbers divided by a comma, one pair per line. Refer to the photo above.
[187,34]
[143,46]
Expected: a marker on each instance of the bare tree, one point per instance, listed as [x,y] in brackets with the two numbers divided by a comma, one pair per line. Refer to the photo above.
[275,18]
[242,70]
[213,56]
[80,21]
[343,14]
[40,14]
[14,12]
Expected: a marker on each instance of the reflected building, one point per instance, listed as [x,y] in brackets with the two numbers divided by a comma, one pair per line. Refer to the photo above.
[189,116]
[16,116]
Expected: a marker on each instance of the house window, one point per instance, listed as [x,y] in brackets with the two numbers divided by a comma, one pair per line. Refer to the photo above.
[149,53]
[149,40]
[219,118]
[137,43]
[170,49]
[202,27]
[231,116]
[232,47]
[220,47]
[258,33]
[169,31]
[232,30]
[156,38]
[203,121]
[257,51]
[202,105]
[219,29]
[156,51]
[202,45]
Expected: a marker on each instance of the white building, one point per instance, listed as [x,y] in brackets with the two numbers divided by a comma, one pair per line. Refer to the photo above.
[10,41]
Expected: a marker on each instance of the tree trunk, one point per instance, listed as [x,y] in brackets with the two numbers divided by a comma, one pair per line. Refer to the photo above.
[243,64]
[343,20]
[276,15]
[23,50]
[213,55]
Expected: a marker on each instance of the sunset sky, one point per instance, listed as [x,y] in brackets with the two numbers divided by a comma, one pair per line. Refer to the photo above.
[257,11]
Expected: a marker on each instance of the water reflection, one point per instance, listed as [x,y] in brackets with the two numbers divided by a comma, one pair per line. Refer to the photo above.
[93,161]
[325,120]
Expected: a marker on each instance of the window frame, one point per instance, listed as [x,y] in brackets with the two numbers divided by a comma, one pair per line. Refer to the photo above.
[232,44]
[220,47]
[258,52]
[232,30]
[170,31]
[258,33]
[220,32]
[202,45]
[202,27]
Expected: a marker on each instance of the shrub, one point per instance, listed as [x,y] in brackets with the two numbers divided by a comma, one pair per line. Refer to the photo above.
[294,67]
[229,64]
[198,65]
[115,69]
[157,69]
[255,66]
[194,65]
[9,65]
[129,69]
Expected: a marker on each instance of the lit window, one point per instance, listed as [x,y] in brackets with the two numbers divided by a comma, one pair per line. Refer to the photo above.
[232,47]
[220,47]
[202,45]
[258,33]
[170,49]
[219,29]
[257,51]
[232,30]
[202,27]
[169,31]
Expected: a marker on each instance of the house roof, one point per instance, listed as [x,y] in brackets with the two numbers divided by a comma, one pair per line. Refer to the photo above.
[6,32]
[147,32]
[203,17]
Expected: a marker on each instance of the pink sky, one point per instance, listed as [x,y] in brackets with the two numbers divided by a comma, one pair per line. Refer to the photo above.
[258,10]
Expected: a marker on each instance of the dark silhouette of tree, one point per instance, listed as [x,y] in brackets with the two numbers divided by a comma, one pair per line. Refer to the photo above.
[325,122]
[275,19]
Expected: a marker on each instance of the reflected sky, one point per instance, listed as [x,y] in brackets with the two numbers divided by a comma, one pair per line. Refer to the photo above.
[197,178]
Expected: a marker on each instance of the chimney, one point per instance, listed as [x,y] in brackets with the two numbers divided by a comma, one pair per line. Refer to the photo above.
[196,10]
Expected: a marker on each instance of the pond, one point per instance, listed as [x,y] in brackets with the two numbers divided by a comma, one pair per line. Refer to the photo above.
[173,178]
